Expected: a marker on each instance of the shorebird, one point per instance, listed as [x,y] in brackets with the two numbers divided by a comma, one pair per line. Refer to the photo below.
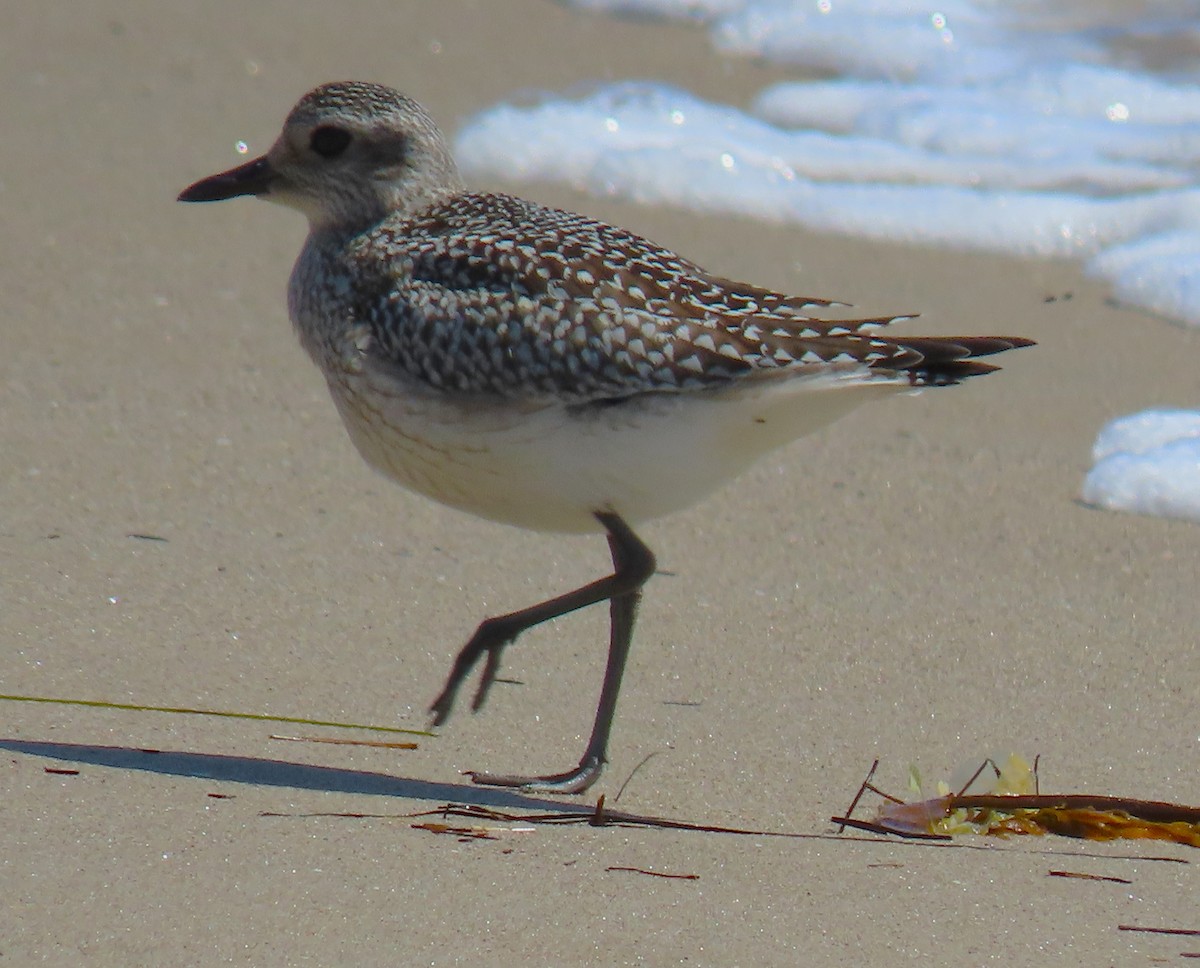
[541,368]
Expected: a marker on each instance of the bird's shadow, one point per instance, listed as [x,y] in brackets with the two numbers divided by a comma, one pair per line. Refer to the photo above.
[281,773]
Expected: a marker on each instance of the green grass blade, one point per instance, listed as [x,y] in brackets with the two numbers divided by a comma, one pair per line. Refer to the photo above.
[181,710]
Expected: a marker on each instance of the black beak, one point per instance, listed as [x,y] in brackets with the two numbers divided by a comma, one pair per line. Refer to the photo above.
[252,178]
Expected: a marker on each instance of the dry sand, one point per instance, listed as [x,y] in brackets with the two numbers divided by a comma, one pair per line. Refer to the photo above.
[917,583]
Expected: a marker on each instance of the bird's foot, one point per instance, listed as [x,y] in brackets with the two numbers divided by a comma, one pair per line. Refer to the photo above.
[573,781]
[464,662]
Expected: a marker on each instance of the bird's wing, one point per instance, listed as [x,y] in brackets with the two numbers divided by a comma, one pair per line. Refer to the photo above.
[494,295]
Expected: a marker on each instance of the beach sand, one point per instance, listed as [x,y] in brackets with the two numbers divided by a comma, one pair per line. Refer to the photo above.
[917,583]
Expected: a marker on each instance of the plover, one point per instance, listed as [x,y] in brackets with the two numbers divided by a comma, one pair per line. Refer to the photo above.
[541,368]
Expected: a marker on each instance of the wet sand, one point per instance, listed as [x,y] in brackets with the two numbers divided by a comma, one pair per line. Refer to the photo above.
[917,583]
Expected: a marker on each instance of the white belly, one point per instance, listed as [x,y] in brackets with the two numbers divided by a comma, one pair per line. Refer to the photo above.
[549,467]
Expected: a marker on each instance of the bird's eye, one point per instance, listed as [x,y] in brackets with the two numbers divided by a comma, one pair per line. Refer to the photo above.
[328,141]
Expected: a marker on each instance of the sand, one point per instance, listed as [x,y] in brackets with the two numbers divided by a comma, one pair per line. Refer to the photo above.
[917,583]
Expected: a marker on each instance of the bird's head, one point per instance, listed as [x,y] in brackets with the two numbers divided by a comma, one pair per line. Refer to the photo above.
[350,153]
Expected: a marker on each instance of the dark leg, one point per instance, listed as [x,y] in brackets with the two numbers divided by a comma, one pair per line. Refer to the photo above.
[633,564]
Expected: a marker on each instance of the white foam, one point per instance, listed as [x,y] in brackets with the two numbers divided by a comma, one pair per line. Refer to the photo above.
[1156,272]
[900,41]
[1148,463]
[657,144]
[1141,433]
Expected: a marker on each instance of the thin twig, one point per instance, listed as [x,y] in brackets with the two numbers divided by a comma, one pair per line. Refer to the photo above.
[1090,877]
[642,870]
[1187,932]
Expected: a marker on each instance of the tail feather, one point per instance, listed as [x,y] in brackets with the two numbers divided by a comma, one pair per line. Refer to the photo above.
[945,360]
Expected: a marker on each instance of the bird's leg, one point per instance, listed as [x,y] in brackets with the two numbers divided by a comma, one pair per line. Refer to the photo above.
[633,564]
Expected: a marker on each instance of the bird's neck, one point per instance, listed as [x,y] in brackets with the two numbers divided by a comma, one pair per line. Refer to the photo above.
[319,290]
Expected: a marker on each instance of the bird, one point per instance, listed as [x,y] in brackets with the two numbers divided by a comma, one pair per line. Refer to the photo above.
[543,369]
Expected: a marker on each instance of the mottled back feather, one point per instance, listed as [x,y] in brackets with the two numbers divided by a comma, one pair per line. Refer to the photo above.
[492,294]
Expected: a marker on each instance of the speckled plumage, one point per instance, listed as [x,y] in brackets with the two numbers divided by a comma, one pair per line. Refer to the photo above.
[541,368]
[490,294]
